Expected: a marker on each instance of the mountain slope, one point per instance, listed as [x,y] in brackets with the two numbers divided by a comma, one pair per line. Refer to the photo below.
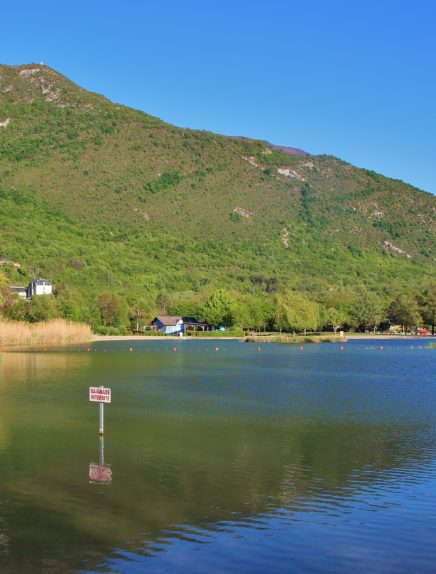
[175,209]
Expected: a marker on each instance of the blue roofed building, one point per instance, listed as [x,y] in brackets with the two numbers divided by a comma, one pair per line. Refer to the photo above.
[176,325]
[168,325]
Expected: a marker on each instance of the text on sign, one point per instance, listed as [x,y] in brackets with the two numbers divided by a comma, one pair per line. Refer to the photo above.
[99,394]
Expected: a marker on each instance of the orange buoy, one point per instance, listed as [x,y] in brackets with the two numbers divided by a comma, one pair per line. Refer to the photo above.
[131,349]
[88,349]
[174,348]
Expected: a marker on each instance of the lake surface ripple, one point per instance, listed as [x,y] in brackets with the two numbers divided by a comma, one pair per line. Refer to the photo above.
[225,457]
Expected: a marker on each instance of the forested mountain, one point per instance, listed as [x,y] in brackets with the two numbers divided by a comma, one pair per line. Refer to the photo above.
[98,197]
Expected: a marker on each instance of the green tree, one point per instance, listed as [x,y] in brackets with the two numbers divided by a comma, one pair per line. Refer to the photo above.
[4,292]
[335,318]
[8,299]
[366,310]
[140,313]
[164,302]
[428,307]
[187,308]
[295,312]
[253,312]
[219,309]
[90,313]
[404,311]
[69,303]
[113,310]
[42,308]
[342,301]
[19,311]
[240,314]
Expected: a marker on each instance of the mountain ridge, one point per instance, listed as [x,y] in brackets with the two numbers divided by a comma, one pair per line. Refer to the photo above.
[220,211]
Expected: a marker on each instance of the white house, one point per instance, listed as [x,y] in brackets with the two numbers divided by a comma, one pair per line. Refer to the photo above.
[39,287]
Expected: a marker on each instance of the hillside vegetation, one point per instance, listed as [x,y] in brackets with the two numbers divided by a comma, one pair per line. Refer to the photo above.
[101,198]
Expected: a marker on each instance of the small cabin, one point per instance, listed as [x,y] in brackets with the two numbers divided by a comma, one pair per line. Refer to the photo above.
[168,325]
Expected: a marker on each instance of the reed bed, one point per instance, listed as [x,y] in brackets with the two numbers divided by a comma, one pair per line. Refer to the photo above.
[54,332]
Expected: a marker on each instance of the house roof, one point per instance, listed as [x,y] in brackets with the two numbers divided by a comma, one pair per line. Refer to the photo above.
[194,321]
[40,282]
[190,320]
[168,320]
[18,289]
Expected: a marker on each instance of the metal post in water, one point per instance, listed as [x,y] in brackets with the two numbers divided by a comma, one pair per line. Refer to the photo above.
[101,451]
[101,426]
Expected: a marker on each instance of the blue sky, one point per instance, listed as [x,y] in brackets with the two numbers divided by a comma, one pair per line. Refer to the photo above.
[351,78]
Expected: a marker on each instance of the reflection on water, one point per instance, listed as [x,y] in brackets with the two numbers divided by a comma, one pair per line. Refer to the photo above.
[4,439]
[254,461]
[25,368]
[100,473]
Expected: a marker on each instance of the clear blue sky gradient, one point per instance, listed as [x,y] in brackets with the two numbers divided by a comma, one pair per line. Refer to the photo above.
[351,78]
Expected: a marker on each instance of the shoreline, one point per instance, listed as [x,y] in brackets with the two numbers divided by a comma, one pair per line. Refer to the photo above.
[97,338]
[362,337]
[348,337]
[108,338]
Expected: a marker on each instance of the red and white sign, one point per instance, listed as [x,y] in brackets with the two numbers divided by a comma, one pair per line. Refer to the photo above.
[100,473]
[99,394]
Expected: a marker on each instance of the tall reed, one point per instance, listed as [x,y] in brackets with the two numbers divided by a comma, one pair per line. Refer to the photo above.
[54,332]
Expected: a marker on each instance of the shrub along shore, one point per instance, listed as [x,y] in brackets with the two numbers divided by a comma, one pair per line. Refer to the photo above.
[289,339]
[46,333]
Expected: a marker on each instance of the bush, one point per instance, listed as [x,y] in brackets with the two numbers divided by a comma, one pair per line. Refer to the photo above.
[102,330]
[220,334]
[235,217]
[166,180]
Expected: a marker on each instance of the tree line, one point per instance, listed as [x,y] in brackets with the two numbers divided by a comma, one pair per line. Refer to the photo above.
[288,310]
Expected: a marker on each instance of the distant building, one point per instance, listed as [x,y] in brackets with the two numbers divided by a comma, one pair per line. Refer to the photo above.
[39,287]
[35,287]
[20,291]
[170,325]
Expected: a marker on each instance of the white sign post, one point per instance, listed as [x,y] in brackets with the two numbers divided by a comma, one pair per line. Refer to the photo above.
[100,395]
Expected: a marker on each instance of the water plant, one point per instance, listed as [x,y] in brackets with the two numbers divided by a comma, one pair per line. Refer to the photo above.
[54,332]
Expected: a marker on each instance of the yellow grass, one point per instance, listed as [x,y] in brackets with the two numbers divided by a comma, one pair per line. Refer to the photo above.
[55,332]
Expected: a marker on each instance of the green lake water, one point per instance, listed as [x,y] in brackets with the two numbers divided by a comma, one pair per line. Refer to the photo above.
[225,457]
